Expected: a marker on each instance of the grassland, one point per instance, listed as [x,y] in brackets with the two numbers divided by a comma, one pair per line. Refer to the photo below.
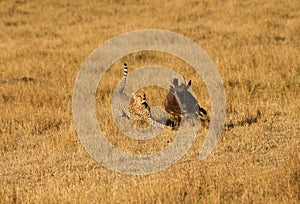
[254,44]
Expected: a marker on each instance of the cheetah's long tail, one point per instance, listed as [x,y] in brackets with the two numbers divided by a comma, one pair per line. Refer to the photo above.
[124,78]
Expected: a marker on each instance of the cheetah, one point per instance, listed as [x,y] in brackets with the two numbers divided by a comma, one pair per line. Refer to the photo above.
[134,107]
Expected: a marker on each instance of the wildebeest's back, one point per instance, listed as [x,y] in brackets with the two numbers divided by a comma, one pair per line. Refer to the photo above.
[171,104]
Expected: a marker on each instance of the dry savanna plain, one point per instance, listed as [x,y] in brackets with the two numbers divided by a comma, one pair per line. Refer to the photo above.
[255,45]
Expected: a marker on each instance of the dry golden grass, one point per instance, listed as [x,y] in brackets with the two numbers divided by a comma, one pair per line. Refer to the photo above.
[256,48]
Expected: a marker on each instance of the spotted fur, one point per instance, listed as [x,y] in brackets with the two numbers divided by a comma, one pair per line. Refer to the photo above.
[134,107]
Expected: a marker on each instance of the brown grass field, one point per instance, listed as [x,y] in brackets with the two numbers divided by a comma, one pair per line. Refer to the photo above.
[255,46]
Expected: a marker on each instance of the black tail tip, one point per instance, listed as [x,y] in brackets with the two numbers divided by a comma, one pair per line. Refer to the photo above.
[125,64]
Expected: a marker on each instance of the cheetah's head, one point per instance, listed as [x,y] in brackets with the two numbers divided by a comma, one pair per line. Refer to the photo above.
[139,98]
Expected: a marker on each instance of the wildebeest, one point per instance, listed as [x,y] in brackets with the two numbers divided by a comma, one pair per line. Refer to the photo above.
[180,101]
